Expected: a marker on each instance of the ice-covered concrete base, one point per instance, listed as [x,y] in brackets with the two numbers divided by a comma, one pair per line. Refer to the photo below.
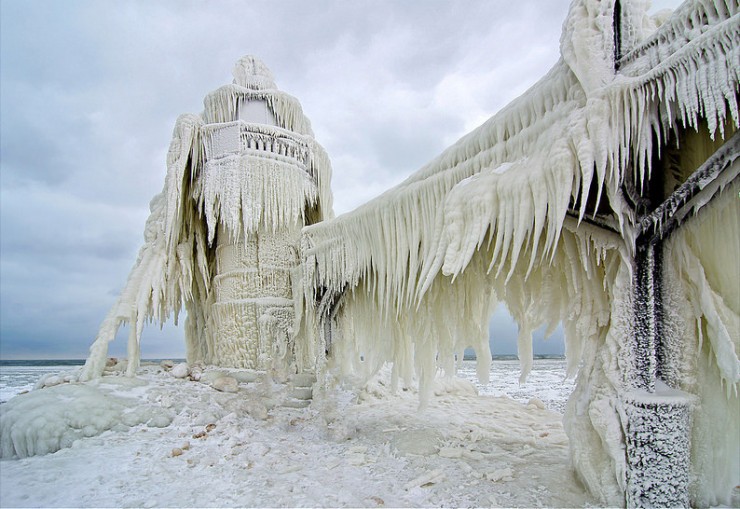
[657,433]
[253,314]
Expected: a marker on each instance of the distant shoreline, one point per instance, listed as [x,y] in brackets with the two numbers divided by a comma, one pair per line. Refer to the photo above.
[67,362]
[514,357]
[80,362]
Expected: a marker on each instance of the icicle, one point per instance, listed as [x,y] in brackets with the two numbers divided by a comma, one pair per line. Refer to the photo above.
[580,120]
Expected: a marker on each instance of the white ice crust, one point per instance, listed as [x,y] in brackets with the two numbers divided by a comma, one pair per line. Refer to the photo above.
[251,449]
[501,216]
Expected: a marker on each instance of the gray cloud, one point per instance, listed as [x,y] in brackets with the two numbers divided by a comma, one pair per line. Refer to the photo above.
[90,91]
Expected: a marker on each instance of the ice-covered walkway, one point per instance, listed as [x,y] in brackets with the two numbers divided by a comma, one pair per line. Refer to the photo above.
[369,449]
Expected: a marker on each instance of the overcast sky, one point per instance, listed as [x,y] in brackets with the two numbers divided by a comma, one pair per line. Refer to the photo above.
[90,91]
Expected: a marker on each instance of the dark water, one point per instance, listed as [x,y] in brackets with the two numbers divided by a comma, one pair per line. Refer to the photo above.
[42,363]
[17,376]
[64,362]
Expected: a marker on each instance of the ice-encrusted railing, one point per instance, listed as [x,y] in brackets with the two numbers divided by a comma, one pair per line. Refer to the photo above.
[223,139]
[690,19]
[256,176]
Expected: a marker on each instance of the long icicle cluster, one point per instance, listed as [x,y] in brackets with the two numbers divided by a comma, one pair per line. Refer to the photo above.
[503,192]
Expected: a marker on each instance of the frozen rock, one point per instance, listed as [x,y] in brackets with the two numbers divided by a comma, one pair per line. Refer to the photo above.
[196,373]
[207,416]
[182,370]
[418,442]
[167,365]
[160,420]
[42,422]
[51,381]
[377,501]
[225,384]
[120,365]
[499,474]
[210,376]
[112,361]
[176,452]
[536,403]
[451,452]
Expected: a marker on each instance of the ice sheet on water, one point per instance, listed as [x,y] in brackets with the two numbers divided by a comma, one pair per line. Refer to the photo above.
[546,382]
[21,376]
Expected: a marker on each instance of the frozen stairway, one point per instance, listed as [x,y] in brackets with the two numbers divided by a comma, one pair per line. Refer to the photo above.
[300,392]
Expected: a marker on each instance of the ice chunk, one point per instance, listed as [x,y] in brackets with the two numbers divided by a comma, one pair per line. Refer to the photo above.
[46,420]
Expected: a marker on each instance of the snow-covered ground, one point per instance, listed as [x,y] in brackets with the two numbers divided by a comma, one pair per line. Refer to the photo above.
[349,448]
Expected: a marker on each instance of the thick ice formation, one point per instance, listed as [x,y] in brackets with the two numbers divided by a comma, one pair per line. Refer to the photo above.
[47,420]
[562,145]
[544,208]
[245,174]
[536,208]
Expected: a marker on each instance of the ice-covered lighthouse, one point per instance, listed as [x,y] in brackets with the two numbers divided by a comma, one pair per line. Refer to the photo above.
[243,178]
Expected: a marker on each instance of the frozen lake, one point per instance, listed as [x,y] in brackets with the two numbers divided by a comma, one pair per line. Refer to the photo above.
[21,376]
[546,382]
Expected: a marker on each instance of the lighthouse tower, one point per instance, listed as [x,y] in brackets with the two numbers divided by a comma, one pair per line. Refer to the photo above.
[261,174]
[222,238]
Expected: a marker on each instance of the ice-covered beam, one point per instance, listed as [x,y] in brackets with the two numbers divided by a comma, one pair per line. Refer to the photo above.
[688,20]
[698,190]
[617,26]
[653,228]
[656,223]
[657,418]
[648,315]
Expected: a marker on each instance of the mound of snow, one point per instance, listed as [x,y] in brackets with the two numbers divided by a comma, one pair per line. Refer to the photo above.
[44,421]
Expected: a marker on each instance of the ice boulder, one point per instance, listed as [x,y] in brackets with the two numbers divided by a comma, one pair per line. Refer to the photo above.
[225,384]
[46,420]
[181,370]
